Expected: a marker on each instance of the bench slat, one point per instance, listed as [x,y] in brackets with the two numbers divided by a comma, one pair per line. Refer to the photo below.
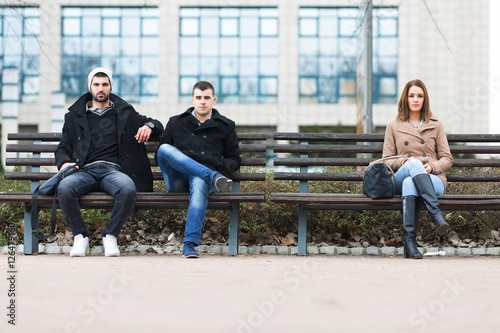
[142,197]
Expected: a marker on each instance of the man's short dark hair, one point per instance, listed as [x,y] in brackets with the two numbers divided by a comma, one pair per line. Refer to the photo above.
[203,85]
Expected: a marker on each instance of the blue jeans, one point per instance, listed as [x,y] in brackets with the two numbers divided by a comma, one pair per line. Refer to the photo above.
[97,177]
[404,181]
[183,174]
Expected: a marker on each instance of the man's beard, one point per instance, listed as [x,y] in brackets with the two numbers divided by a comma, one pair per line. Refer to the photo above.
[102,99]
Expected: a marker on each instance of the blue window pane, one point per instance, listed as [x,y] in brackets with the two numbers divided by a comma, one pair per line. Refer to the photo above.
[149,86]
[189,27]
[122,39]
[249,66]
[308,46]
[111,26]
[90,46]
[131,46]
[131,26]
[238,47]
[329,47]
[209,47]
[229,27]
[209,66]
[269,27]
[308,27]
[149,46]
[249,46]
[149,66]
[229,46]
[228,66]
[189,46]
[269,86]
[91,26]
[229,86]
[210,26]
[269,46]
[307,86]
[188,66]
[20,48]
[110,46]
[31,26]
[308,66]
[269,66]
[249,26]
[71,27]
[150,27]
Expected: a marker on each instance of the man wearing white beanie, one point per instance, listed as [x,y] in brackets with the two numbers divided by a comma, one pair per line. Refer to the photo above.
[103,136]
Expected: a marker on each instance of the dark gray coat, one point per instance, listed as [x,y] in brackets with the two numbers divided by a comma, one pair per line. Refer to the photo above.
[75,141]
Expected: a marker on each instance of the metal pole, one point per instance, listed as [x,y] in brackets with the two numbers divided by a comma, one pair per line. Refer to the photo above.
[369,67]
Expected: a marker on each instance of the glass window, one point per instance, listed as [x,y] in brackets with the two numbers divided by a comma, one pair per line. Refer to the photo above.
[124,40]
[20,48]
[329,47]
[236,49]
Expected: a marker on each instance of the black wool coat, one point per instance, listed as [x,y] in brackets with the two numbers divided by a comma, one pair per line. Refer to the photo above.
[75,142]
[214,143]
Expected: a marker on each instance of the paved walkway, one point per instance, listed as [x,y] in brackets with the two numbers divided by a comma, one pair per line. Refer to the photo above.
[251,294]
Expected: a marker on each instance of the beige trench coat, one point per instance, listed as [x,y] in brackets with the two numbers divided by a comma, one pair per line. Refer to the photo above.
[427,143]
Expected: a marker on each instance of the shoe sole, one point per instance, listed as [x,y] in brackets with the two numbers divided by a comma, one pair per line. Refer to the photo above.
[79,254]
[443,229]
[223,184]
[191,256]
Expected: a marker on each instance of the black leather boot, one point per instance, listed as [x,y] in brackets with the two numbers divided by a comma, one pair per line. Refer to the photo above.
[424,186]
[410,226]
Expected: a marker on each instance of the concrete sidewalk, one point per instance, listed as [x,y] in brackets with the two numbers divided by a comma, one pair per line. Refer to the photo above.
[261,293]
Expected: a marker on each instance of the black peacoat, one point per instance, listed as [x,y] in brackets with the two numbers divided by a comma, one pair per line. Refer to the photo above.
[214,143]
[75,142]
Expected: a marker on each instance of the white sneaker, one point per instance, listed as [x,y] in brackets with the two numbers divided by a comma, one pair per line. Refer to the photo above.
[80,246]
[110,246]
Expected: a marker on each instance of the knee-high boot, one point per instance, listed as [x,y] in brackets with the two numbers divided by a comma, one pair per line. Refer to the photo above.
[410,227]
[423,183]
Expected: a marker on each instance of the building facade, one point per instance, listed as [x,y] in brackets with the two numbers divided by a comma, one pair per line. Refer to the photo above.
[277,65]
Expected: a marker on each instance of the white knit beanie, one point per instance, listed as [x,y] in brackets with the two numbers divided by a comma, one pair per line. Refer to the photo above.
[106,71]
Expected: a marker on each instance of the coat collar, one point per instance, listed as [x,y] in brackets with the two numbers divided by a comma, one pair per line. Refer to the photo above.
[80,105]
[121,107]
[216,116]
[407,128]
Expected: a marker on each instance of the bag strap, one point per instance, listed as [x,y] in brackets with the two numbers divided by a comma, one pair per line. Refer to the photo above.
[34,215]
[380,160]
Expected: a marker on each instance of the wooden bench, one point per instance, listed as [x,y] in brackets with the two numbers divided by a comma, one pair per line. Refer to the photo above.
[306,158]
[35,162]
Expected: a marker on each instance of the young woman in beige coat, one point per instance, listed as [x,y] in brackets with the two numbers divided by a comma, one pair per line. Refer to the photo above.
[417,134]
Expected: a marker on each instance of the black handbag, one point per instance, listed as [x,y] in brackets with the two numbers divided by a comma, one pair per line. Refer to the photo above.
[48,188]
[378,179]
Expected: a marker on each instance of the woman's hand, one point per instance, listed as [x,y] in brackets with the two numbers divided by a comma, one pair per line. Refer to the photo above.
[428,168]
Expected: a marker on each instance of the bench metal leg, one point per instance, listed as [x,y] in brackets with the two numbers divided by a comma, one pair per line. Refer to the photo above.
[234,229]
[302,232]
[30,233]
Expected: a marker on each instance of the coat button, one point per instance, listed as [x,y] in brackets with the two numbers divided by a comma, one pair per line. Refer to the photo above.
[128,155]
[77,160]
[203,153]
[423,141]
[409,155]
[192,134]
[424,155]
[406,143]
[204,137]
[79,138]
